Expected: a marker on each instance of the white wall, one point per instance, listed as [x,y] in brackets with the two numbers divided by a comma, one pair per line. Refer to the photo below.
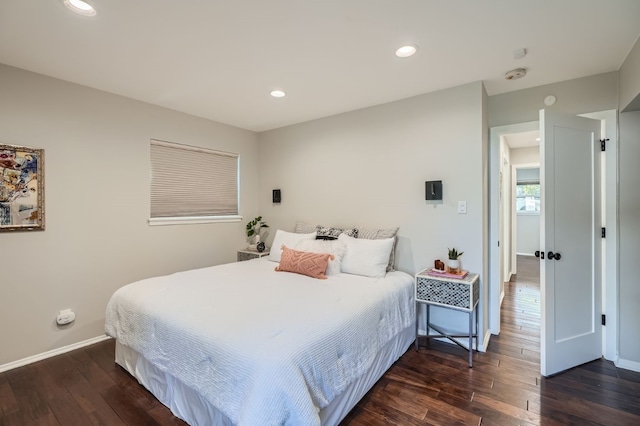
[630,80]
[527,225]
[629,292]
[527,155]
[96,149]
[503,170]
[629,295]
[369,167]
[527,234]
[579,96]
[629,213]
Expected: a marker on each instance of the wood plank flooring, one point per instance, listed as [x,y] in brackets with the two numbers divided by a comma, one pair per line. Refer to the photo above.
[504,387]
[431,387]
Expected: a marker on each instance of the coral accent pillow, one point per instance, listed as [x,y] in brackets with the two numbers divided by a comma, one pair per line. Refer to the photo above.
[334,247]
[303,262]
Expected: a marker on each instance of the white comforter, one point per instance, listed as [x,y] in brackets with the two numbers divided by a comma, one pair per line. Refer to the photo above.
[264,347]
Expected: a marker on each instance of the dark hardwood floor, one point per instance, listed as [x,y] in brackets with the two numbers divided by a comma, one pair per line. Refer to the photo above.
[504,387]
[430,387]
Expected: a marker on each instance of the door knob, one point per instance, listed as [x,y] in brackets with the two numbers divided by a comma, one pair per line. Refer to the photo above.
[551,255]
[537,253]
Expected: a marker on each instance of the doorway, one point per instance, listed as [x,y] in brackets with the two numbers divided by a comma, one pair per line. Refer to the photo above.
[519,155]
[498,229]
[501,252]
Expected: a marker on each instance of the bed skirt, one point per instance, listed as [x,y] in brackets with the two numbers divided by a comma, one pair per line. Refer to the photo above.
[187,404]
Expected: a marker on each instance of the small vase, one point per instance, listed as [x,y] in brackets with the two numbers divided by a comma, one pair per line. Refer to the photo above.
[453,266]
[256,239]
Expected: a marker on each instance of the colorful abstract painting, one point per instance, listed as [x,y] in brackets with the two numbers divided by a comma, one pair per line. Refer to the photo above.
[21,188]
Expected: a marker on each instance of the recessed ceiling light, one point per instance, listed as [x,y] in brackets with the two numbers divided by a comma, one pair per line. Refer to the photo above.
[80,7]
[406,51]
[278,94]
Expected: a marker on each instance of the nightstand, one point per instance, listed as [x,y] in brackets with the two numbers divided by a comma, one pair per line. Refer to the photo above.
[251,254]
[461,294]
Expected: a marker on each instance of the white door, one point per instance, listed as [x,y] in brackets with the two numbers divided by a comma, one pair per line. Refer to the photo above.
[570,280]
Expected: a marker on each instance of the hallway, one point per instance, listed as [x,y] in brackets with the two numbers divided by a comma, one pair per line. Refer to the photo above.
[520,314]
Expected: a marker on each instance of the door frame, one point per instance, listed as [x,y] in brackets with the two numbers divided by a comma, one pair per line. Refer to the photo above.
[610,216]
[496,219]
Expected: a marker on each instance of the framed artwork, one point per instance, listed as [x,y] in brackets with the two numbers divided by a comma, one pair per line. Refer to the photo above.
[21,188]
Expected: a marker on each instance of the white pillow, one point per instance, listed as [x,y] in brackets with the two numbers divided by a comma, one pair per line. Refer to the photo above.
[289,239]
[334,247]
[366,257]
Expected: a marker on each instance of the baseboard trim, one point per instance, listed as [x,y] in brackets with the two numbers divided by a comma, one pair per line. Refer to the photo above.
[485,341]
[35,358]
[628,365]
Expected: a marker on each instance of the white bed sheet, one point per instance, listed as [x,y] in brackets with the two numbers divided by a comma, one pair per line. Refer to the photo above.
[262,347]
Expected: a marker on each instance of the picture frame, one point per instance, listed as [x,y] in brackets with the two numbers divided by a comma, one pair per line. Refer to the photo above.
[21,188]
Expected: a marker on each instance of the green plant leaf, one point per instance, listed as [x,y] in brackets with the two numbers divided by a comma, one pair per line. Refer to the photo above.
[454,254]
[255,223]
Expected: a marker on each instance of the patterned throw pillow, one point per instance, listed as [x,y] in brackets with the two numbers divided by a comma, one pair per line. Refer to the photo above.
[324,232]
[377,234]
[302,262]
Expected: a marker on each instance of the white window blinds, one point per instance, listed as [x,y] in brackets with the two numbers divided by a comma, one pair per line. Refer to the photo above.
[188,181]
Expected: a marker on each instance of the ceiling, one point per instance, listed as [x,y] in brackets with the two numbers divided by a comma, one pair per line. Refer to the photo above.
[523,139]
[219,59]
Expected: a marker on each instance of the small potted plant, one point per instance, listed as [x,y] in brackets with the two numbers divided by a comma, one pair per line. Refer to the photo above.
[454,261]
[253,230]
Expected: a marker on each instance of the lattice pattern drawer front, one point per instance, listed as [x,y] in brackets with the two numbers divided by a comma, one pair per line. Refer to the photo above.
[445,292]
[476,292]
[247,255]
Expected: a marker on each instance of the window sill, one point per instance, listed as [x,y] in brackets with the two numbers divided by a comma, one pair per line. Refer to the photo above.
[161,221]
[519,213]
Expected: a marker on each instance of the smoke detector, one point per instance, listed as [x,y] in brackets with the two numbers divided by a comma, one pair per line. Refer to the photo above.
[515,74]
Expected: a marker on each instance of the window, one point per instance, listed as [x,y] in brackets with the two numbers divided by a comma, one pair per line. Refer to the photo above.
[192,185]
[528,197]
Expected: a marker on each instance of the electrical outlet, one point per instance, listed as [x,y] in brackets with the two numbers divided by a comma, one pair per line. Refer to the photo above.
[462,207]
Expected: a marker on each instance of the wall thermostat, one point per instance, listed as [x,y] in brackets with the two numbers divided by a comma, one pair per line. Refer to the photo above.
[550,100]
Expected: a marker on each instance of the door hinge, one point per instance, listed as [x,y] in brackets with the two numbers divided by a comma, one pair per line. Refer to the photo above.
[604,319]
[603,232]
[603,143]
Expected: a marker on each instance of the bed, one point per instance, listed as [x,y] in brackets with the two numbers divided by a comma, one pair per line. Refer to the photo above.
[241,343]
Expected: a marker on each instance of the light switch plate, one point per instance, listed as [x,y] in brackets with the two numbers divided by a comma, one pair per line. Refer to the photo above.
[462,207]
